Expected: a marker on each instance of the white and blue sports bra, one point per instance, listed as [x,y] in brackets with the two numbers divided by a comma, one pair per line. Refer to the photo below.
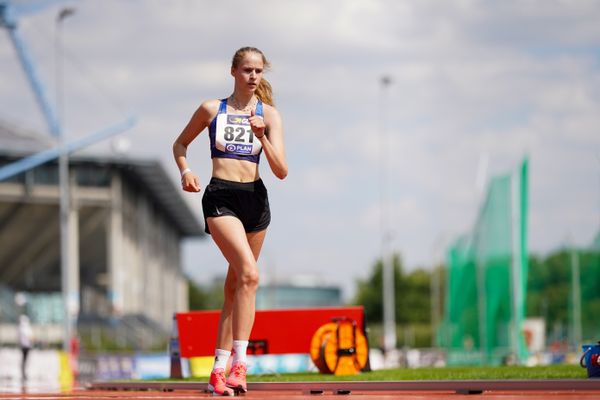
[231,136]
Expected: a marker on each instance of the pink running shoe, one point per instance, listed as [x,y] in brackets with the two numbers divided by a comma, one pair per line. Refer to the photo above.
[216,384]
[237,378]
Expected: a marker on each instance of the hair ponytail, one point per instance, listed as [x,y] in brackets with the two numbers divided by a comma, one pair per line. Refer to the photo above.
[264,91]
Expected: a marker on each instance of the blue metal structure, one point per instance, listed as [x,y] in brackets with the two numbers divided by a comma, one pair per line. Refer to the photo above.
[34,160]
[9,14]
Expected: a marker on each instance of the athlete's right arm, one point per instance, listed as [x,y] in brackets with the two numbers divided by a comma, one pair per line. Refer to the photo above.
[199,121]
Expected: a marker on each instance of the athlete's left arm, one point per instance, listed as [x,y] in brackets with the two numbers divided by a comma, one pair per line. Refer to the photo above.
[272,142]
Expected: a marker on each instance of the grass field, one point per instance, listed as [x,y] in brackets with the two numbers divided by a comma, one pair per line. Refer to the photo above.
[450,373]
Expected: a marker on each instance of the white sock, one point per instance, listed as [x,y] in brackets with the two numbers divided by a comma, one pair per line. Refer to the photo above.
[239,351]
[221,357]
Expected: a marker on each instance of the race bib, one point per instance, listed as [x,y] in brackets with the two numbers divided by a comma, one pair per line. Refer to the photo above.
[233,135]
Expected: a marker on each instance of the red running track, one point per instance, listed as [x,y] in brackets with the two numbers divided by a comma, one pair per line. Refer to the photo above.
[273,395]
[410,390]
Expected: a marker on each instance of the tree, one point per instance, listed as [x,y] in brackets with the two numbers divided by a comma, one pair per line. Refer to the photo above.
[369,293]
[205,298]
[412,299]
[416,302]
[550,291]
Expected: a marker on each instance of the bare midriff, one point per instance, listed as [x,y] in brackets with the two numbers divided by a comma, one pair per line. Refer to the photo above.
[234,170]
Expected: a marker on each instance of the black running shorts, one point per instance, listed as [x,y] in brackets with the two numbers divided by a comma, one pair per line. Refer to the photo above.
[247,201]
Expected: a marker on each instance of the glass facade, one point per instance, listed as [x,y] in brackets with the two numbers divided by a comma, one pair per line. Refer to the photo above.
[289,296]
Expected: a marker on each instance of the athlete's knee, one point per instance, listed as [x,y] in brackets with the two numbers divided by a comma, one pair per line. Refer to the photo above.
[248,279]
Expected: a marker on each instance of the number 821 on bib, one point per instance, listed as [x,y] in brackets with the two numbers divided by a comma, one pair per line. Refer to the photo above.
[233,135]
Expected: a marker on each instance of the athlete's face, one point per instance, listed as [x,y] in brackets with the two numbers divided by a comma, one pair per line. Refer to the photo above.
[249,71]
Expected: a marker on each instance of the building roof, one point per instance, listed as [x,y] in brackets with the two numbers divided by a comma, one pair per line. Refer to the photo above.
[161,188]
[16,143]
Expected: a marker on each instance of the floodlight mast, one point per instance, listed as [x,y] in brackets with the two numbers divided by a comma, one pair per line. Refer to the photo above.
[388,296]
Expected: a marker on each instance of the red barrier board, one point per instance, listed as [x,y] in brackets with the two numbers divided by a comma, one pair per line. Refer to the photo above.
[274,332]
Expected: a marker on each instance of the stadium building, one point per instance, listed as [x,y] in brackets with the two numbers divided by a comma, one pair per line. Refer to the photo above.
[128,222]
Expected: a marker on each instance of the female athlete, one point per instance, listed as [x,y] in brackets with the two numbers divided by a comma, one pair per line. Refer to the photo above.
[235,204]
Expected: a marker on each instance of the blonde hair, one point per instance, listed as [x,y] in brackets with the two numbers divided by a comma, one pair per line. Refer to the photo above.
[264,91]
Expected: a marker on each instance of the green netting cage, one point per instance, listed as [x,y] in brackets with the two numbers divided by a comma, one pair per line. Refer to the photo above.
[590,292]
[487,277]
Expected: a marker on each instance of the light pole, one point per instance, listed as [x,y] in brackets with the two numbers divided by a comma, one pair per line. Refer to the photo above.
[576,334]
[69,262]
[389,306]
[436,291]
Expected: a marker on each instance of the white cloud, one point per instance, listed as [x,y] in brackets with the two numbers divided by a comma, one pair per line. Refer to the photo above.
[469,78]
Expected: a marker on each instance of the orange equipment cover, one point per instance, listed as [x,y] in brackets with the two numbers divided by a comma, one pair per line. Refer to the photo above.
[274,332]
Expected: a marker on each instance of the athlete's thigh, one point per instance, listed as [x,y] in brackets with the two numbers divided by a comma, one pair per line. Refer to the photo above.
[256,240]
[229,235]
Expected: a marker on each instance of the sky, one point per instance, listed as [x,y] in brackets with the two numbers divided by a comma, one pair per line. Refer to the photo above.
[475,86]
